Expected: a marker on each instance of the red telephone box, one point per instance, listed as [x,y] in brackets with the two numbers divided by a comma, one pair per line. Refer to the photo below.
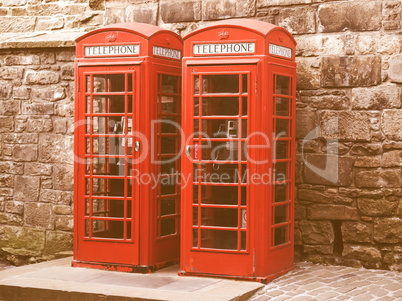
[239,136]
[127,141]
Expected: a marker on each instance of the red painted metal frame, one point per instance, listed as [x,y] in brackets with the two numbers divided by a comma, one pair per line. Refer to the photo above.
[147,250]
[267,257]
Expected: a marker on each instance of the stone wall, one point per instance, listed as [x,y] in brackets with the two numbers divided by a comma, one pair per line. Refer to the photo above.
[349,119]
[36,153]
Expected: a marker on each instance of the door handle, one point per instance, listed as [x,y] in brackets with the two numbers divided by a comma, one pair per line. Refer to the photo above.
[188,150]
[137,146]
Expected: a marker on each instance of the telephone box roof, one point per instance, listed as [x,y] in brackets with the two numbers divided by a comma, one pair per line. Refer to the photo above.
[259,27]
[141,29]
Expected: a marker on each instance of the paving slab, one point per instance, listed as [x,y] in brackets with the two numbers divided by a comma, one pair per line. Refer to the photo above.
[57,280]
[316,282]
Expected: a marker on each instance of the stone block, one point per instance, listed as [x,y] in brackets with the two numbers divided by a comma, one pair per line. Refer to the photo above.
[23,238]
[377,98]
[56,148]
[58,241]
[375,207]
[307,77]
[62,210]
[26,188]
[25,152]
[269,3]
[38,169]
[6,124]
[115,15]
[328,170]
[20,138]
[317,232]
[67,72]
[39,215]
[373,161]
[60,125]
[65,109]
[347,71]
[64,222]
[366,149]
[180,11]
[391,124]
[11,219]
[5,90]
[395,69]
[65,55]
[21,60]
[387,145]
[38,108]
[392,158]
[49,93]
[313,196]
[356,232]
[6,180]
[14,207]
[331,212]
[39,125]
[224,9]
[49,23]
[8,108]
[318,249]
[345,125]
[20,24]
[42,77]
[11,168]
[63,177]
[47,58]
[143,13]
[388,230]
[327,102]
[378,178]
[11,73]
[354,16]
[298,20]
[56,197]
[21,92]
[364,253]
[307,123]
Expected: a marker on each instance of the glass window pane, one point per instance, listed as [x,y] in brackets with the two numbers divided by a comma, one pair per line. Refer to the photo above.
[220,128]
[282,85]
[282,150]
[282,128]
[88,105]
[109,83]
[216,106]
[218,239]
[196,84]
[221,195]
[281,172]
[168,104]
[108,229]
[195,216]
[243,240]
[87,83]
[168,145]
[196,106]
[168,206]
[169,125]
[169,84]
[219,173]
[244,106]
[282,106]
[195,238]
[219,217]
[280,214]
[168,226]
[245,83]
[225,83]
[281,192]
[220,150]
[281,236]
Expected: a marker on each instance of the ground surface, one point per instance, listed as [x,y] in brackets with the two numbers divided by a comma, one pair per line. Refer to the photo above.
[308,281]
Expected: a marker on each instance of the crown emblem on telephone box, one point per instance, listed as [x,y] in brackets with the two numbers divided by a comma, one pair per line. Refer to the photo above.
[111,37]
[223,35]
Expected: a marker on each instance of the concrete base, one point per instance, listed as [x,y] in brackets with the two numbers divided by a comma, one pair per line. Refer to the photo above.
[57,280]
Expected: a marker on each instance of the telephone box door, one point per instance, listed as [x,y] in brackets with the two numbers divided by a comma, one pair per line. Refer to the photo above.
[108,218]
[218,216]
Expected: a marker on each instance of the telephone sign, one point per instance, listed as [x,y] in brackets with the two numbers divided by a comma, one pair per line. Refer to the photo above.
[239,124]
